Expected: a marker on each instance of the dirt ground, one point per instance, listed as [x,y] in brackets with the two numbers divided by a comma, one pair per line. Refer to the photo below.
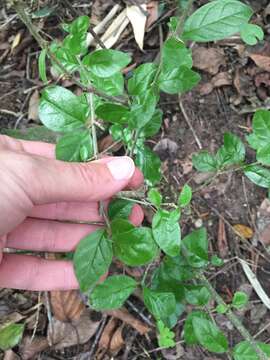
[233,86]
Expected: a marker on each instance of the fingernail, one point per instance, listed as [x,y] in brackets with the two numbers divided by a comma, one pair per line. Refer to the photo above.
[121,168]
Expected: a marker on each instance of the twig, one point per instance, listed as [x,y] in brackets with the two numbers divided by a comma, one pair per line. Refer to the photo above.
[234,319]
[97,337]
[92,123]
[189,123]
[44,45]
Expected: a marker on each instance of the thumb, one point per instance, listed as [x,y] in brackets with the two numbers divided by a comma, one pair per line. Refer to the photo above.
[56,181]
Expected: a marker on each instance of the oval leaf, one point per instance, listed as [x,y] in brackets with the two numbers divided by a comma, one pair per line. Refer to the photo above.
[10,335]
[75,147]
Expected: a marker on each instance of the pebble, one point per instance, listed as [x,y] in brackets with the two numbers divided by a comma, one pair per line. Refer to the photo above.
[198,223]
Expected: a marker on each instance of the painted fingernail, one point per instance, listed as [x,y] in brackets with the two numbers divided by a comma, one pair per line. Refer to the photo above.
[121,168]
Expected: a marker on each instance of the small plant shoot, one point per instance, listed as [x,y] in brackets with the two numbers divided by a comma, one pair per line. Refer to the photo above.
[128,109]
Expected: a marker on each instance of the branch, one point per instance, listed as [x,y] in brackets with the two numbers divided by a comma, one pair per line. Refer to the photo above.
[18,6]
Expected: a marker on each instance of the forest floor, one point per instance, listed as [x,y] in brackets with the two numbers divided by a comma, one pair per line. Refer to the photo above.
[235,82]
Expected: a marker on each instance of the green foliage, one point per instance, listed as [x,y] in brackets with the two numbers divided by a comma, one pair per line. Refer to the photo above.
[258,175]
[160,304]
[217,20]
[196,248]
[42,65]
[75,146]
[245,351]
[155,197]
[112,293]
[189,332]
[197,295]
[142,78]
[92,258]
[114,113]
[120,209]
[166,231]
[216,261]
[10,335]
[185,196]
[222,309]
[240,300]
[165,336]
[251,34]
[150,164]
[133,245]
[204,162]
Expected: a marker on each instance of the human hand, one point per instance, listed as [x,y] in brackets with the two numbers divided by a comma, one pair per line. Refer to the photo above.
[35,191]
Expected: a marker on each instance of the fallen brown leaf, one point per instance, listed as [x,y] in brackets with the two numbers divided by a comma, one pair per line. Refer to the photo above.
[222,239]
[11,355]
[221,79]
[29,347]
[33,106]
[261,56]
[106,336]
[108,143]
[65,334]
[16,41]
[126,317]
[117,340]
[243,231]
[209,60]
[263,222]
[66,305]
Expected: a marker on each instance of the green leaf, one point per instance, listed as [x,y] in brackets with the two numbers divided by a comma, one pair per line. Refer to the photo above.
[245,351]
[197,295]
[142,113]
[178,80]
[105,63]
[79,25]
[175,54]
[42,65]
[216,20]
[134,246]
[116,131]
[222,309]
[35,133]
[153,126]
[209,336]
[240,300]
[189,332]
[120,209]
[195,247]
[185,196]
[172,320]
[205,162]
[142,78]
[263,155]
[68,60]
[216,261]
[165,336]
[261,128]
[43,12]
[258,175]
[112,293]
[61,110]
[113,113]
[113,85]
[75,44]
[232,152]
[92,258]
[69,146]
[166,231]
[159,304]
[150,164]
[155,197]
[251,34]
[10,335]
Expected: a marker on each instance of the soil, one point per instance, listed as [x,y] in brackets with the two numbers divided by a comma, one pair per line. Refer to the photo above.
[230,199]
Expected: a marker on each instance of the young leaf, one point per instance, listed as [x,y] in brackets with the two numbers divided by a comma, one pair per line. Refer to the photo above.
[68,60]
[105,63]
[61,110]
[185,196]
[113,85]
[240,300]
[251,34]
[155,197]
[116,131]
[216,20]
[197,295]
[112,293]
[71,146]
[178,80]
[245,351]
[258,175]
[165,336]
[142,112]
[78,26]
[175,54]
[209,336]
[153,126]
[261,129]
[195,248]
[134,246]
[166,231]
[263,155]
[189,332]
[92,258]
[159,304]
[150,164]
[216,261]
[222,309]
[113,113]
[120,209]
[205,162]
[232,152]
[75,44]
[141,78]
[10,335]
[42,65]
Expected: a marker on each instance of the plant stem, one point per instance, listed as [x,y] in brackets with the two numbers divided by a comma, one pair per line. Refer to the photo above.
[180,26]
[18,6]
[234,319]
[93,127]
